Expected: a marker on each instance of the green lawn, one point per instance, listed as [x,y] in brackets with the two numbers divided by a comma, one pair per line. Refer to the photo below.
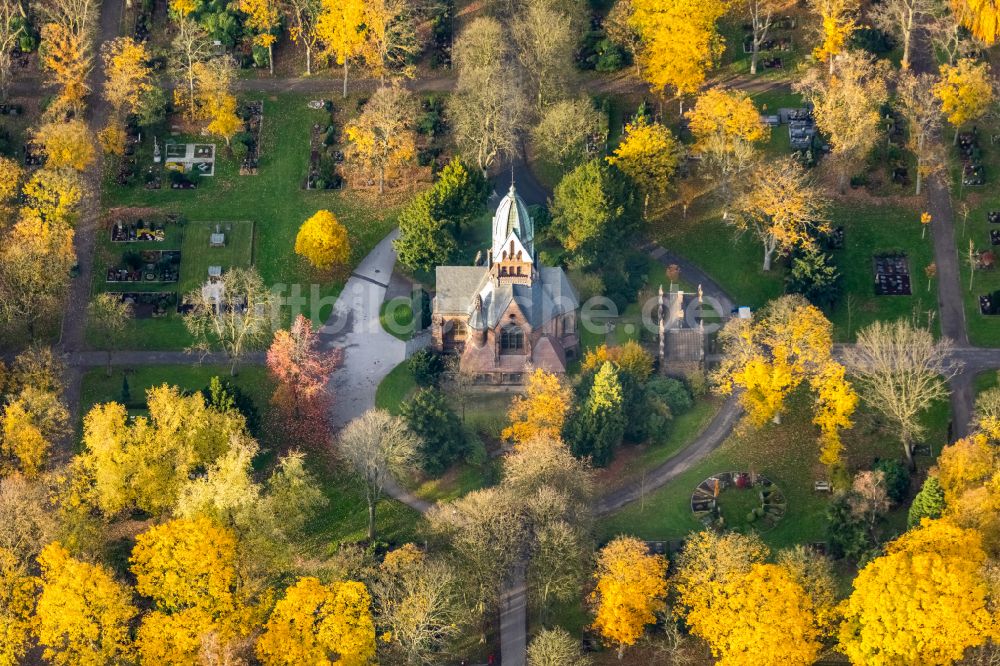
[398,321]
[787,454]
[987,380]
[274,201]
[983,330]
[345,519]
[395,388]
[98,388]
[197,255]
[735,260]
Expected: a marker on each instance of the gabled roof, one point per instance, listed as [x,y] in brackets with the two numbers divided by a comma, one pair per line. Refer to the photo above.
[551,295]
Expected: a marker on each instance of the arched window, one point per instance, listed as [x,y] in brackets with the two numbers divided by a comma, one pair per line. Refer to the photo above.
[511,340]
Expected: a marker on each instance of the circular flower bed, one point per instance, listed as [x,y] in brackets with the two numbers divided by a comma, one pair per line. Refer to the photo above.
[740,501]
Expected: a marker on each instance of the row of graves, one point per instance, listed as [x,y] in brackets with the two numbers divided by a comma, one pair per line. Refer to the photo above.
[252,115]
[971,154]
[143,265]
[160,266]
[802,132]
[150,276]
[989,304]
[325,156]
[778,40]
[128,167]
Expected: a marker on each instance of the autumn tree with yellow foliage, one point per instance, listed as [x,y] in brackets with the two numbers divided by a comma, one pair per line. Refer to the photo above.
[52,196]
[188,567]
[17,602]
[838,21]
[790,341]
[83,614]
[924,602]
[190,49]
[36,257]
[542,410]
[382,139]
[679,41]
[11,174]
[763,617]
[981,17]
[65,56]
[323,241]
[314,622]
[263,17]
[969,475]
[67,144]
[782,206]
[630,357]
[649,155]
[144,462]
[29,424]
[965,90]
[726,124]
[128,76]
[342,32]
[631,589]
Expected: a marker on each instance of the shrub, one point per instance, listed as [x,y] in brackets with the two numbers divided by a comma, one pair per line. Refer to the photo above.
[442,439]
[815,276]
[426,367]
[673,392]
[897,479]
[929,502]
[697,383]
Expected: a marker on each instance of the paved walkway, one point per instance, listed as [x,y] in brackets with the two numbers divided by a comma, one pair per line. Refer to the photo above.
[369,352]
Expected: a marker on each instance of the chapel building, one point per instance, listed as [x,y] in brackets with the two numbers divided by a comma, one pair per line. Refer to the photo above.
[509,313]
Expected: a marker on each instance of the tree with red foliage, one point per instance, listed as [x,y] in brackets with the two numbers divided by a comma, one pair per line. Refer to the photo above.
[302,368]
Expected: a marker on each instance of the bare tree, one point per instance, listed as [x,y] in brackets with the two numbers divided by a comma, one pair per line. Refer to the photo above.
[419,604]
[868,499]
[556,647]
[488,108]
[902,18]
[391,38]
[233,314]
[760,13]
[379,448]
[77,16]
[986,416]
[901,371]
[545,47]
[109,314]
[485,530]
[302,17]
[565,130]
[948,35]
[191,46]
[922,111]
[10,32]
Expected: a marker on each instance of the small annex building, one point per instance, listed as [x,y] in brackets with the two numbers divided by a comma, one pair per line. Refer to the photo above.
[509,313]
